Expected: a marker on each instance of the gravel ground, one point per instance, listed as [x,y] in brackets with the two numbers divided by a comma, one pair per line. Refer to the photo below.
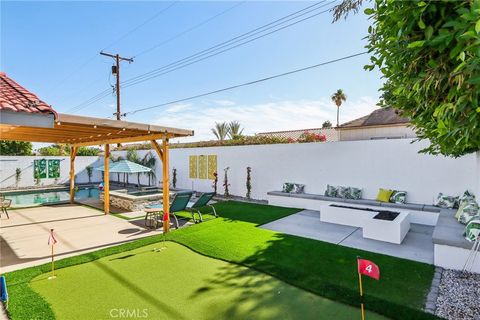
[459,296]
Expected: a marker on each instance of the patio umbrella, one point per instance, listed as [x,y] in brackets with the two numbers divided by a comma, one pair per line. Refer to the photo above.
[124,166]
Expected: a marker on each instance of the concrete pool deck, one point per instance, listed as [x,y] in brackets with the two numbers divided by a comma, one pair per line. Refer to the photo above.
[417,245]
[79,229]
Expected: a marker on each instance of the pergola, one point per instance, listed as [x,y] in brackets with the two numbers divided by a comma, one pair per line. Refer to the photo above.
[77,131]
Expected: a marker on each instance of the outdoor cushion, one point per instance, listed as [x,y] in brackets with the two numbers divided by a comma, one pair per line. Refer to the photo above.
[444,201]
[384,195]
[342,192]
[398,196]
[472,231]
[354,193]
[331,191]
[298,188]
[469,211]
[460,209]
[288,187]
[365,202]
[430,208]
[466,196]
[449,232]
[406,206]
[278,193]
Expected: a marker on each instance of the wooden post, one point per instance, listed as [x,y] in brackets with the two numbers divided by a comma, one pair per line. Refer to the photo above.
[73,153]
[106,182]
[166,183]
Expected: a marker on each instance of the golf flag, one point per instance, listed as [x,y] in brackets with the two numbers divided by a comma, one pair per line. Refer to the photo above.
[368,268]
[51,239]
[166,222]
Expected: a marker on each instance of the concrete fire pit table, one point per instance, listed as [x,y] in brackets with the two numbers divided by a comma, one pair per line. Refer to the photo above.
[363,217]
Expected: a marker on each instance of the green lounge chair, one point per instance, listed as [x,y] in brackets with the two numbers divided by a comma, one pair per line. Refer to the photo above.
[154,213]
[202,202]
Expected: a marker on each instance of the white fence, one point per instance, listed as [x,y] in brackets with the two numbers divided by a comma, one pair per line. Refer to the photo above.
[370,165]
[9,165]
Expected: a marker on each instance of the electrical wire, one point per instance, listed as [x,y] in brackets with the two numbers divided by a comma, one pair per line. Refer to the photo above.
[189,29]
[173,66]
[248,83]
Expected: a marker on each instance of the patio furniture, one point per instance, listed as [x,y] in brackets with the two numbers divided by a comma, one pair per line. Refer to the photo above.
[5,204]
[154,213]
[202,201]
[393,231]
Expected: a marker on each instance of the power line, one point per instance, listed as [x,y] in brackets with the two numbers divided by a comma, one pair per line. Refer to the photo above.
[189,29]
[112,43]
[242,37]
[247,83]
[173,66]
[215,54]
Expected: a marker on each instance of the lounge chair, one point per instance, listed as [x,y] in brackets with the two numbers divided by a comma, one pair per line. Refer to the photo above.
[202,202]
[154,212]
[5,204]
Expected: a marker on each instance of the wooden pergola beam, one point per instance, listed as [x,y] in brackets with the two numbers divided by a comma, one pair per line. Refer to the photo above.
[157,148]
[120,140]
[106,178]
[166,183]
[73,154]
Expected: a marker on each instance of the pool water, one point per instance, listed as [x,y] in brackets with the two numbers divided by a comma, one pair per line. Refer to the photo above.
[26,198]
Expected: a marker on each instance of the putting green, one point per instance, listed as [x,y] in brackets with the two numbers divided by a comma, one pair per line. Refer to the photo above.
[177,283]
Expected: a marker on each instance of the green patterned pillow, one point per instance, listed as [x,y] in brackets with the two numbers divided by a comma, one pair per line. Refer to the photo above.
[298,188]
[466,196]
[342,192]
[444,201]
[354,193]
[472,231]
[398,197]
[470,210]
[288,187]
[460,210]
[331,191]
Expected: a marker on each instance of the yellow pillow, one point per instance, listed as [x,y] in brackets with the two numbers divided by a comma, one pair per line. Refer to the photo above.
[384,195]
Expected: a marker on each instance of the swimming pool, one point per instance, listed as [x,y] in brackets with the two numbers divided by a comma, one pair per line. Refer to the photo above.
[37,197]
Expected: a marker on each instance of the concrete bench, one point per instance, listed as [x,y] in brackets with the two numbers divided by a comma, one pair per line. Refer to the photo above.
[420,213]
[451,249]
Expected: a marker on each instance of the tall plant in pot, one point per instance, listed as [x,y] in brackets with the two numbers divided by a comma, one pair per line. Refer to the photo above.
[215,182]
[174,178]
[89,170]
[18,174]
[249,183]
[226,192]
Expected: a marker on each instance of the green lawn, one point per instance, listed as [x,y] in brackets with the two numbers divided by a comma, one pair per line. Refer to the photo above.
[177,283]
[324,269]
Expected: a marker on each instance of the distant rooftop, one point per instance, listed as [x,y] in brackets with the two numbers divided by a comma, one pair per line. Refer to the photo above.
[379,117]
[14,97]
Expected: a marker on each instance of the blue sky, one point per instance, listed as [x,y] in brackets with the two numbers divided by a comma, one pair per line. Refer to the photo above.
[52,49]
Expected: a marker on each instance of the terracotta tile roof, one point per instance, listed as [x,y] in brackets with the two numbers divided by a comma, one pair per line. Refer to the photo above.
[379,117]
[329,133]
[14,97]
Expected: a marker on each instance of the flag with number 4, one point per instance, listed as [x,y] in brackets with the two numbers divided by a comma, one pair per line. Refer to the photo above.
[368,268]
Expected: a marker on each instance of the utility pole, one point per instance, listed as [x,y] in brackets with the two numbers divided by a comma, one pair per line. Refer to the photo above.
[116,72]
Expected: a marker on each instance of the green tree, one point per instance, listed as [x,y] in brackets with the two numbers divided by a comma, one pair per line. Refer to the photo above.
[53,150]
[132,155]
[149,161]
[89,170]
[235,130]
[338,98]
[220,130]
[326,124]
[15,148]
[429,54]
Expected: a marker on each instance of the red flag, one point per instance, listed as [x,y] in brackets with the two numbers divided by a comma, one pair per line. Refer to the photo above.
[368,268]
[51,239]
[165,216]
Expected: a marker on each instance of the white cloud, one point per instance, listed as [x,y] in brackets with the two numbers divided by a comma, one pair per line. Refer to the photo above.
[271,116]
[224,103]
[178,107]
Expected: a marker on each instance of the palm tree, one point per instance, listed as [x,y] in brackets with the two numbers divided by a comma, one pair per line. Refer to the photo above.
[149,162]
[235,130]
[338,97]
[221,130]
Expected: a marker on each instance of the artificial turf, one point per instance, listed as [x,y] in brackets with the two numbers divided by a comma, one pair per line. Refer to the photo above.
[322,268]
[177,283]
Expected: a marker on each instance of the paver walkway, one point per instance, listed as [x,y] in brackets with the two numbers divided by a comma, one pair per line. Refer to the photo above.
[417,244]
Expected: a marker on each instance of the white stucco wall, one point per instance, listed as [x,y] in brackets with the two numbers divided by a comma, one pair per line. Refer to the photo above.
[9,164]
[367,133]
[369,164]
